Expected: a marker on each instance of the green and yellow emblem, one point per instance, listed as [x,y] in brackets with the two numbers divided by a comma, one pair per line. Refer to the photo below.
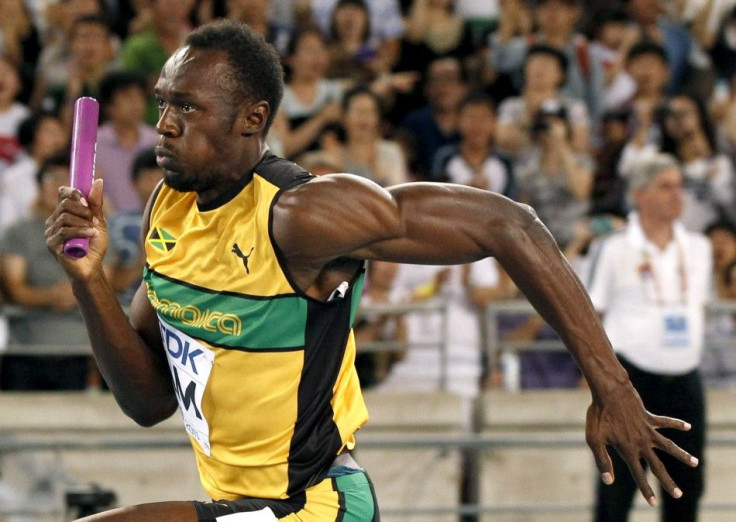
[161,239]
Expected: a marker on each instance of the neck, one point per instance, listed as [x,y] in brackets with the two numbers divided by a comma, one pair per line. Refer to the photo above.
[658,231]
[557,39]
[360,139]
[252,154]
[474,150]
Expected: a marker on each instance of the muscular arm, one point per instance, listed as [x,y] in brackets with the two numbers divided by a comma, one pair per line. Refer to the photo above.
[432,223]
[343,215]
[128,350]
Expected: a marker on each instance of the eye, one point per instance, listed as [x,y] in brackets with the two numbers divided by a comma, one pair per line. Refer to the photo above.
[160,103]
[187,107]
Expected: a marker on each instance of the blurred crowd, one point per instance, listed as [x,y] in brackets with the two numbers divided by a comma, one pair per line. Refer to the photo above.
[548,102]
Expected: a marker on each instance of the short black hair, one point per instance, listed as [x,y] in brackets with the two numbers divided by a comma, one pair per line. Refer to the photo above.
[58,159]
[116,81]
[357,3]
[96,19]
[548,50]
[144,160]
[28,128]
[721,224]
[478,97]
[255,62]
[647,48]
[359,90]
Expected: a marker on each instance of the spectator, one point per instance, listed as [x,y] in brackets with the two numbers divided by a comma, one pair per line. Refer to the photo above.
[146,52]
[552,177]
[557,21]
[434,30]
[12,113]
[474,161]
[365,152]
[35,282]
[689,135]
[722,235]
[311,102]
[544,70]
[719,361]
[92,55]
[656,28]
[122,135]
[387,26]
[723,52]
[40,135]
[435,125]
[352,53]
[464,289]
[647,65]
[53,63]
[612,39]
[19,43]
[608,195]
[125,257]
[724,111]
[374,367]
[255,14]
[651,283]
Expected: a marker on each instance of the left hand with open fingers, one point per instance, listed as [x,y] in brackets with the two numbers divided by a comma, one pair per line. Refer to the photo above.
[620,420]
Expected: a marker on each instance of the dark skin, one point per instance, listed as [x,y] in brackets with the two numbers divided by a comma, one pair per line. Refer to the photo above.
[208,140]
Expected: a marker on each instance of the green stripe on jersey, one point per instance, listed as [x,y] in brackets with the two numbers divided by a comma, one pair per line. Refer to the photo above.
[227,320]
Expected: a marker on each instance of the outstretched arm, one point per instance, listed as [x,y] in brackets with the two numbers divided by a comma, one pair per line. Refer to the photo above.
[128,350]
[434,223]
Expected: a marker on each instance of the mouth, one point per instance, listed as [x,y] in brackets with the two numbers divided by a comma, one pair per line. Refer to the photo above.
[163,157]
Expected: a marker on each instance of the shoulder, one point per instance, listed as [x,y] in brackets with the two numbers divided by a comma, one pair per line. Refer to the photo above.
[282,173]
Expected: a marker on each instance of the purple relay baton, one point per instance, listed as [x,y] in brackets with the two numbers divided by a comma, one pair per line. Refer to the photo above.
[82,168]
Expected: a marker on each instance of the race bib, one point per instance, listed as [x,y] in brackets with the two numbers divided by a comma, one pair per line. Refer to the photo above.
[264,515]
[676,328]
[190,363]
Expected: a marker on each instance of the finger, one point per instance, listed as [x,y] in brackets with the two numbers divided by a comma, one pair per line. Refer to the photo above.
[640,478]
[74,203]
[666,445]
[95,197]
[70,193]
[60,235]
[660,421]
[664,478]
[603,463]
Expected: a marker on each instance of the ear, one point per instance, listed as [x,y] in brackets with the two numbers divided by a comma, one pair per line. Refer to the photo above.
[252,118]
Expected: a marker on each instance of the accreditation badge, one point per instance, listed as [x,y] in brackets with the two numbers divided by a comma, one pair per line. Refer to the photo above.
[676,328]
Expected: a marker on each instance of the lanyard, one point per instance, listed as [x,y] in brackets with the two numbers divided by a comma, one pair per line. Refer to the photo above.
[647,271]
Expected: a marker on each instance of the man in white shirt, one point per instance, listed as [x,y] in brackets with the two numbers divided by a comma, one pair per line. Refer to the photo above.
[651,281]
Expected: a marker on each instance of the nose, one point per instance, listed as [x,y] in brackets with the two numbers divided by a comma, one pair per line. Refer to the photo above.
[166,124]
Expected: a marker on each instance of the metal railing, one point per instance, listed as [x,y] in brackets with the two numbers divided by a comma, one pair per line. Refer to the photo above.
[495,346]
[475,442]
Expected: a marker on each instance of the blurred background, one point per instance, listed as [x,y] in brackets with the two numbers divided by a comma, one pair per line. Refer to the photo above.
[477,412]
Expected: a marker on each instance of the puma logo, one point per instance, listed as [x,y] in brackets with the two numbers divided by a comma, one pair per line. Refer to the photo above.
[236,250]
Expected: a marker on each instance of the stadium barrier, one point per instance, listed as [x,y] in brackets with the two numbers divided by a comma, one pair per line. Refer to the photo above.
[532,461]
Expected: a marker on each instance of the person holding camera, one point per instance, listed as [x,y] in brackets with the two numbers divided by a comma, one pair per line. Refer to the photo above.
[552,177]
[545,70]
